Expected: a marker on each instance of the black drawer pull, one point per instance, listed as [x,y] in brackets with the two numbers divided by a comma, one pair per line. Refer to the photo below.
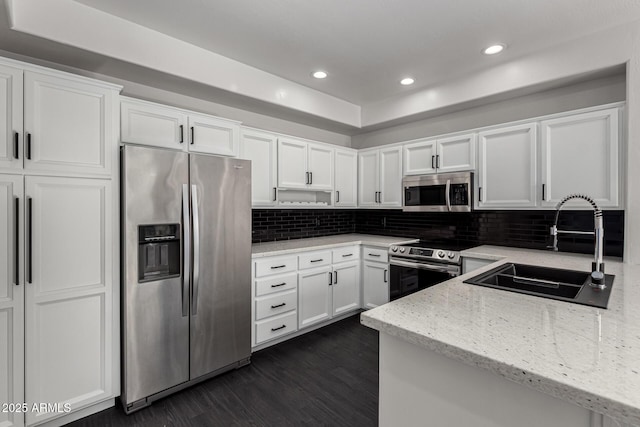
[279,305]
[181,134]
[377,255]
[278,266]
[346,255]
[193,135]
[16,145]
[278,285]
[278,328]
[316,260]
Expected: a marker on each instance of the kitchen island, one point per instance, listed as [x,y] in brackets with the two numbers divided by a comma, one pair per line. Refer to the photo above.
[458,354]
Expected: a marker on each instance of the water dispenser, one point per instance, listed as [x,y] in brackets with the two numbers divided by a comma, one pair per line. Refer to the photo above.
[158,252]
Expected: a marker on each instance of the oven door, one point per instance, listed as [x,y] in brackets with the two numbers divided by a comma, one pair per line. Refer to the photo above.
[408,277]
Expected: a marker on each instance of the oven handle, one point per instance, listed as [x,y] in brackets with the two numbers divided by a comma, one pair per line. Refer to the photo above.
[420,266]
[447,192]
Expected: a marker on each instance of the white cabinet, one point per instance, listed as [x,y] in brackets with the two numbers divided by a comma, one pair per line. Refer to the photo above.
[346,178]
[450,154]
[261,149]
[580,155]
[380,177]
[10,118]
[158,125]
[314,296]
[11,297]
[507,167]
[375,284]
[346,287]
[304,165]
[69,312]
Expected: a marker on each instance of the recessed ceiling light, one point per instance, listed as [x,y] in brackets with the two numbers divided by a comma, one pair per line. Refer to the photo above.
[493,49]
[319,74]
[407,81]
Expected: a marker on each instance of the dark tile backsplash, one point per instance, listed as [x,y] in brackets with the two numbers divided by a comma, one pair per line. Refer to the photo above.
[525,229]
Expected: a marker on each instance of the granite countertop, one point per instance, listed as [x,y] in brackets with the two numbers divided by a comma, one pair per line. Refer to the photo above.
[291,246]
[584,355]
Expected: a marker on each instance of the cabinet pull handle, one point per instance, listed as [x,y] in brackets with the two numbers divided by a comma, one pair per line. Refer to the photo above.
[437,161]
[278,285]
[330,278]
[30,230]
[479,194]
[28,146]
[193,136]
[335,277]
[377,255]
[16,258]
[278,266]
[337,196]
[278,328]
[306,174]
[346,255]
[279,305]
[181,134]
[316,260]
[15,145]
[433,160]
[543,193]
[275,194]
[310,178]
[385,276]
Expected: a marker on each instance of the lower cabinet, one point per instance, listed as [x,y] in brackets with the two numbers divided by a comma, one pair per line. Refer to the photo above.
[375,279]
[346,288]
[314,296]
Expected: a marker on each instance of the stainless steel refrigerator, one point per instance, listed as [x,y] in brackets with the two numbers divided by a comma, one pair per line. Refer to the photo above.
[186,270]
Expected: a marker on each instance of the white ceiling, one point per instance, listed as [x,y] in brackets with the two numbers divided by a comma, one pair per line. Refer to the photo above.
[366,46]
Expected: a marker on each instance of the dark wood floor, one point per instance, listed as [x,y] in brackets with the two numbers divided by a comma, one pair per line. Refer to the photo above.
[328,377]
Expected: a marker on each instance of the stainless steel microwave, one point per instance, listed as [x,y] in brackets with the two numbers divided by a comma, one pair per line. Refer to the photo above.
[445,192]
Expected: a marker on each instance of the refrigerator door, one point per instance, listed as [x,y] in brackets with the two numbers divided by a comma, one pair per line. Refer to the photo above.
[155,320]
[221,295]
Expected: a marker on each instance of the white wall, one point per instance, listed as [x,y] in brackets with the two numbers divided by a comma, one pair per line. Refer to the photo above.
[632,211]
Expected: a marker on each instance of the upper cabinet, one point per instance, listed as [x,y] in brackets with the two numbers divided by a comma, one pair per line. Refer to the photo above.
[346,178]
[304,165]
[55,123]
[261,148]
[451,154]
[380,177]
[507,167]
[159,125]
[580,155]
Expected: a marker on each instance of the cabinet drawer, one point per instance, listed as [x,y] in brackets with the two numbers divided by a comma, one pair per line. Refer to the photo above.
[276,284]
[375,254]
[278,265]
[276,304]
[276,326]
[348,253]
[314,259]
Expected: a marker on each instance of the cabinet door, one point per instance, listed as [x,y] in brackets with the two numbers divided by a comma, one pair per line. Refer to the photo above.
[292,164]
[346,176]
[212,135]
[11,298]
[68,125]
[391,177]
[346,287]
[314,296]
[457,153]
[420,157]
[153,124]
[68,295]
[261,149]
[375,284]
[320,167]
[580,155]
[10,118]
[368,178]
[507,167]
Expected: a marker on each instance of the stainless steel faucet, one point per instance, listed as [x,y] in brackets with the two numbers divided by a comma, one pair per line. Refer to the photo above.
[597,274]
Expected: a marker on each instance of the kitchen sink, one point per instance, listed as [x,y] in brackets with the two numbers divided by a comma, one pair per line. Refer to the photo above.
[555,283]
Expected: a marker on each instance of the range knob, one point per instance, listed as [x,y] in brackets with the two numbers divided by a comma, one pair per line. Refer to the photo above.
[394,248]
[451,255]
[402,250]
[441,254]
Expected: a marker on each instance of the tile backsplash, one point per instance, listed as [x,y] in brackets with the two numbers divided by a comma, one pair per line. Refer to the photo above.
[526,229]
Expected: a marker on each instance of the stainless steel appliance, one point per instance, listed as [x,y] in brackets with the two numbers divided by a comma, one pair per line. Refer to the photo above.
[445,192]
[186,270]
[417,266]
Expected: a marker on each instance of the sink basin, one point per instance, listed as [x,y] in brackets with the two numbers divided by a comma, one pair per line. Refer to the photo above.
[555,283]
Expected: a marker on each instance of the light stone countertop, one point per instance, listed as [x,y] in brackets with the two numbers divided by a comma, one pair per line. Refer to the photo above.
[584,355]
[283,247]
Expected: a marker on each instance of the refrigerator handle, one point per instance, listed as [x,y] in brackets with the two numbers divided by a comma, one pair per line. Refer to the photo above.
[196,250]
[186,250]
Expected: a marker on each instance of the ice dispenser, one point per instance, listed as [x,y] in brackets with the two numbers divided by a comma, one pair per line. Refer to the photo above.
[158,252]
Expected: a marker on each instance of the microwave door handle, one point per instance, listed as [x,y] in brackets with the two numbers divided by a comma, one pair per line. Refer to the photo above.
[447,194]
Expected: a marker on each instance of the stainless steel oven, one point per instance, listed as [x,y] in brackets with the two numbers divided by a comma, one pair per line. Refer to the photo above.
[445,192]
[416,266]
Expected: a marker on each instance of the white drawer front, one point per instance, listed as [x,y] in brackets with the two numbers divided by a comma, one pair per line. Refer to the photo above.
[276,304]
[276,265]
[277,326]
[314,259]
[347,253]
[375,254]
[270,285]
